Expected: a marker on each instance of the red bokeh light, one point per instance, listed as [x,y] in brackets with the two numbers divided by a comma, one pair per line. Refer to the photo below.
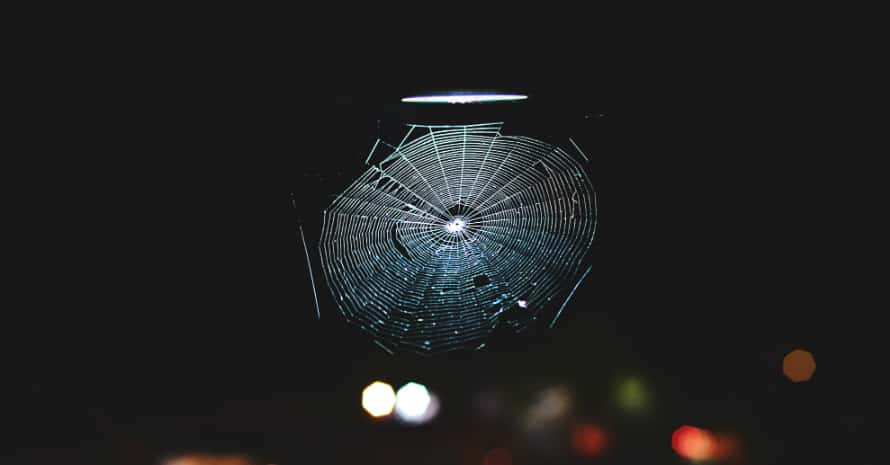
[498,456]
[588,439]
[694,443]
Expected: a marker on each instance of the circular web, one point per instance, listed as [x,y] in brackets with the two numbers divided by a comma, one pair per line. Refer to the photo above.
[455,232]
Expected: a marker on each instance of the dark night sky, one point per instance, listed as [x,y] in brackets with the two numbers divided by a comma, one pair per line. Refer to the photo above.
[181,310]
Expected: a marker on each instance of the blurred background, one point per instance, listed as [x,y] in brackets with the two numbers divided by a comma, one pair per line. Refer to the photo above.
[180,318]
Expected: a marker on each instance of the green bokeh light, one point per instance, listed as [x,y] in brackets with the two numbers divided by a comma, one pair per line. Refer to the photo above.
[632,394]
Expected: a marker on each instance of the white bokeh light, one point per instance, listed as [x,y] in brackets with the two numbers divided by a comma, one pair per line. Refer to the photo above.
[415,404]
[378,399]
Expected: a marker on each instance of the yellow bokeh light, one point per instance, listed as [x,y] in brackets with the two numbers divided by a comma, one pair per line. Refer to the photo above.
[378,399]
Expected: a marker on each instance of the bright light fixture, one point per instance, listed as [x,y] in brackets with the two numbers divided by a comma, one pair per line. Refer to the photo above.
[378,399]
[464,98]
[413,403]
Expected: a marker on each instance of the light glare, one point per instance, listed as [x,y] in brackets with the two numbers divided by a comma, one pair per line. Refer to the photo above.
[464,98]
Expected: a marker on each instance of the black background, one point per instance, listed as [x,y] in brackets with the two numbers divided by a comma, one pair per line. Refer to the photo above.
[176,309]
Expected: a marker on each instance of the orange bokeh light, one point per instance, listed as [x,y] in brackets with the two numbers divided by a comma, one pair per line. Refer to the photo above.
[588,439]
[799,365]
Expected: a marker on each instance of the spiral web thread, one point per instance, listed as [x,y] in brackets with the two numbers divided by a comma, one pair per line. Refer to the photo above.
[457,230]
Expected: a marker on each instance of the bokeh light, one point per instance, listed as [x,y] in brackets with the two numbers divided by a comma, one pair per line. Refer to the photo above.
[550,406]
[203,459]
[498,456]
[799,365]
[378,399]
[631,394]
[415,404]
[588,439]
[694,443]
[431,411]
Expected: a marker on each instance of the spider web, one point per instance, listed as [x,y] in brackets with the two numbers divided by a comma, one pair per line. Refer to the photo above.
[457,230]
